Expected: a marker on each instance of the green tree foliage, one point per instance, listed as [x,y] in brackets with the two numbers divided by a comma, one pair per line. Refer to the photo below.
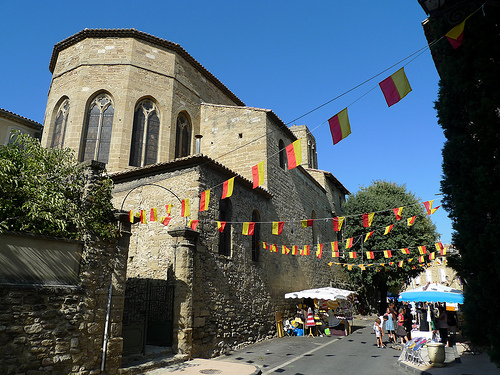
[468,111]
[381,197]
[43,191]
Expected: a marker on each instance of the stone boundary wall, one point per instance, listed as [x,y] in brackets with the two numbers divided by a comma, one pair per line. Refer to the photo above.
[60,330]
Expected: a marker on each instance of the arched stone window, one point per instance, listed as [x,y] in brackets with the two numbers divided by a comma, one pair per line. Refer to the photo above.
[98,128]
[182,136]
[225,211]
[282,154]
[145,134]
[256,236]
[60,125]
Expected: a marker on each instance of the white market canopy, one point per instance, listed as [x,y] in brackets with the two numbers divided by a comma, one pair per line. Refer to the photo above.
[326,293]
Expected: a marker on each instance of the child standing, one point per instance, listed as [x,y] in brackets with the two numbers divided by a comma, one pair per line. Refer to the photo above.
[379,333]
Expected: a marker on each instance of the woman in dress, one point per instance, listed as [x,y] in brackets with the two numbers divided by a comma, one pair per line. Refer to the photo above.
[389,326]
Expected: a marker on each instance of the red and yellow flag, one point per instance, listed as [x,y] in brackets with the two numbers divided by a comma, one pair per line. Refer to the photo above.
[185,208]
[258,174]
[370,255]
[143,217]
[168,207]
[400,263]
[294,154]
[421,259]
[422,250]
[456,35]
[405,250]
[434,209]
[248,228]
[339,126]
[432,255]
[227,188]
[319,250]
[440,248]
[153,215]
[335,249]
[337,223]
[388,229]
[204,200]
[428,206]
[397,212]
[273,248]
[352,255]
[307,223]
[411,220]
[221,225]
[395,87]
[368,235]
[349,242]
[165,220]
[387,253]
[278,227]
[295,250]
[285,250]
[367,219]
[131,216]
[193,224]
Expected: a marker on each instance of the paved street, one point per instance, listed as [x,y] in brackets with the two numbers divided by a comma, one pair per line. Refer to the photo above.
[353,354]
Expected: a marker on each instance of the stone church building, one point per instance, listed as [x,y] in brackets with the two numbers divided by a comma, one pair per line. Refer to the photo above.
[168,130]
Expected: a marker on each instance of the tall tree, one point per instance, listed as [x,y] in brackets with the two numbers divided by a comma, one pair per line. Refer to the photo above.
[375,279]
[468,111]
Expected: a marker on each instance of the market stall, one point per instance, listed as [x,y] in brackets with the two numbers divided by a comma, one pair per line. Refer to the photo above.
[333,311]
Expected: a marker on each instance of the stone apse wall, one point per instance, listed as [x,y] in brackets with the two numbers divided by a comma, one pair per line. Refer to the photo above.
[60,329]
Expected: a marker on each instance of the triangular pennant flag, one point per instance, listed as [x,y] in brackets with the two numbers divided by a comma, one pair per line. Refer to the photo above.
[410,221]
[143,217]
[456,35]
[153,216]
[428,206]
[434,209]
[168,207]
[370,255]
[422,250]
[405,250]
[387,254]
[131,216]
[349,267]
[306,250]
[221,225]
[307,223]
[294,154]
[319,251]
[397,212]
[349,242]
[368,219]
[227,188]
[339,126]
[165,220]
[278,227]
[185,212]
[368,235]
[193,224]
[388,229]
[248,228]
[337,223]
[410,260]
[353,255]
[395,87]
[258,174]
[204,200]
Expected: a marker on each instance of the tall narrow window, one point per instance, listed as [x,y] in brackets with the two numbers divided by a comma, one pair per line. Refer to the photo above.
[98,129]
[145,134]
[182,136]
[256,236]
[225,208]
[282,154]
[60,125]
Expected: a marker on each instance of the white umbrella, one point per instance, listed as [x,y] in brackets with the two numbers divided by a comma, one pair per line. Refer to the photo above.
[326,293]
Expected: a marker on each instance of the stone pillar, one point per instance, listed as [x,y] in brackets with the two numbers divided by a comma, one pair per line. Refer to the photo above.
[186,240]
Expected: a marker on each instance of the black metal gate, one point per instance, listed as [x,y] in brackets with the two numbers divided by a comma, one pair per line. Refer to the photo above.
[147,314]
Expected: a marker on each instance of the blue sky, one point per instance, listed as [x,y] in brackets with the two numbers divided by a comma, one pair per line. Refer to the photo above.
[289,56]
